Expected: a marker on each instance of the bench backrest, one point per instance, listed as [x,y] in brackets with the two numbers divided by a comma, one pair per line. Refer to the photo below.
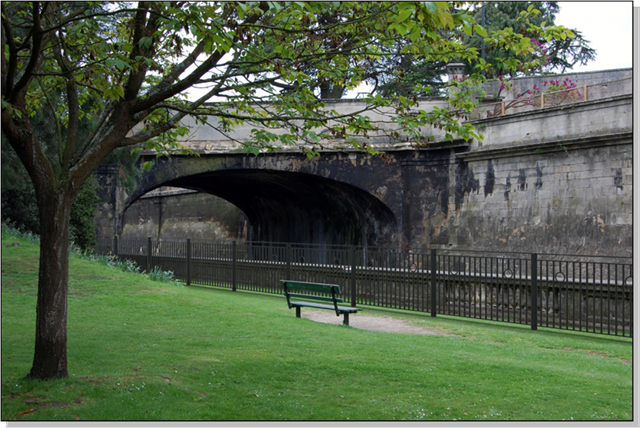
[331,289]
[310,286]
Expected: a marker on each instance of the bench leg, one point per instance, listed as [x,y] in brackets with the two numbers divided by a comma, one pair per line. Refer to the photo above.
[298,311]
[346,318]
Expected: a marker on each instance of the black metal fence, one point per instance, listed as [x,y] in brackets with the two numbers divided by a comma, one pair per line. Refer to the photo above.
[580,293]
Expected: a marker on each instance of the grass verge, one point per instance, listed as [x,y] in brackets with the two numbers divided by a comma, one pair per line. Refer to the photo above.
[145,350]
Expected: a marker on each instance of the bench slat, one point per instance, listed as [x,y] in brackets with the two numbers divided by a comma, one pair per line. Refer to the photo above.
[321,306]
[309,296]
[309,286]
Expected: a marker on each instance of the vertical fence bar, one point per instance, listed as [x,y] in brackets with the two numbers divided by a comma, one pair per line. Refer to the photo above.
[115,245]
[534,291]
[148,254]
[188,261]
[631,300]
[234,273]
[353,275]
[288,260]
[433,283]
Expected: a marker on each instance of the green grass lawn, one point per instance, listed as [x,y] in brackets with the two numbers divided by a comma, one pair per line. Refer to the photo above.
[145,350]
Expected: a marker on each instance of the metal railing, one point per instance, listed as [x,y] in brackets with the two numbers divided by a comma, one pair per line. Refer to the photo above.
[530,102]
[579,293]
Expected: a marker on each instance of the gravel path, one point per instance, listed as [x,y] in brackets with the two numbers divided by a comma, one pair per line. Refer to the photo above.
[368,322]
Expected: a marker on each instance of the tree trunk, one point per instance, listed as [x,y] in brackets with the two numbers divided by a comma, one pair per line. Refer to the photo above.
[50,357]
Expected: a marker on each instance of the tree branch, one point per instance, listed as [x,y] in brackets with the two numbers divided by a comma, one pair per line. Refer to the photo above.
[33,60]
[8,71]
[167,89]
[136,78]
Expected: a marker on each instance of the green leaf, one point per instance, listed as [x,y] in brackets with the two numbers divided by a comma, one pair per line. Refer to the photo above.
[241,9]
[252,150]
[431,7]
[442,5]
[480,30]
[415,33]
[120,64]
[404,15]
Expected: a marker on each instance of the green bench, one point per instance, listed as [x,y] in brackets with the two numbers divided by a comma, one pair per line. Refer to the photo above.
[310,301]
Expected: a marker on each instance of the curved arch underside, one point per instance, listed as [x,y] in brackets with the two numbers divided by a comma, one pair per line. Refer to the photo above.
[297,207]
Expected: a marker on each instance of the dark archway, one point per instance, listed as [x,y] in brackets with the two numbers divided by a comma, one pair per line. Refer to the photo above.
[296,207]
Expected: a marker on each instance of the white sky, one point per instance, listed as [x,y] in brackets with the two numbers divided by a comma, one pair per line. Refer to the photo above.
[608,26]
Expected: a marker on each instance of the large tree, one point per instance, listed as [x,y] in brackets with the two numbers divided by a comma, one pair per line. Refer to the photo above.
[124,70]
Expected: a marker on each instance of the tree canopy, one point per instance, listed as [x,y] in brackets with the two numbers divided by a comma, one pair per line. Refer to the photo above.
[558,53]
[116,75]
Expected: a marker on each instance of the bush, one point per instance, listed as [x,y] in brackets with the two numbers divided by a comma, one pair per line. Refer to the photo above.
[19,208]
[159,275]
[20,212]
[8,228]
[126,265]
[83,231]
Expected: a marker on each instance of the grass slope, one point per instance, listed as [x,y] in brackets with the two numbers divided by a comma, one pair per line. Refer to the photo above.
[144,350]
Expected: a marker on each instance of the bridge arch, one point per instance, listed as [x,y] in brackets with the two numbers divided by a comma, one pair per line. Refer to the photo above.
[288,199]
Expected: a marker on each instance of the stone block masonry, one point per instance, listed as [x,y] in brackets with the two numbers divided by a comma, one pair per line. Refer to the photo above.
[551,208]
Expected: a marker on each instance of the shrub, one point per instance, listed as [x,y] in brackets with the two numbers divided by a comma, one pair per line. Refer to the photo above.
[83,231]
[159,275]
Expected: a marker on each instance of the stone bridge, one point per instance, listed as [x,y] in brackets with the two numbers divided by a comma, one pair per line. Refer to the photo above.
[545,178]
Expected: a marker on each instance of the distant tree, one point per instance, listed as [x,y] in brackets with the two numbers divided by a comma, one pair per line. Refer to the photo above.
[557,54]
[123,71]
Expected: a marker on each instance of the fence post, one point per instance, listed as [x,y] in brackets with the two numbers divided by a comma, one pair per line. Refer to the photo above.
[353,275]
[188,261]
[541,99]
[115,245]
[288,260]
[534,291]
[234,263]
[149,254]
[433,282]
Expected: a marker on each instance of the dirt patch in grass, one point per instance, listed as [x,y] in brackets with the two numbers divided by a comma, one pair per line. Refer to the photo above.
[37,403]
[374,323]
[600,354]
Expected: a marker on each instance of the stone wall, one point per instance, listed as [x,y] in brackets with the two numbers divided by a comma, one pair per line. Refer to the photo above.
[577,201]
[182,215]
